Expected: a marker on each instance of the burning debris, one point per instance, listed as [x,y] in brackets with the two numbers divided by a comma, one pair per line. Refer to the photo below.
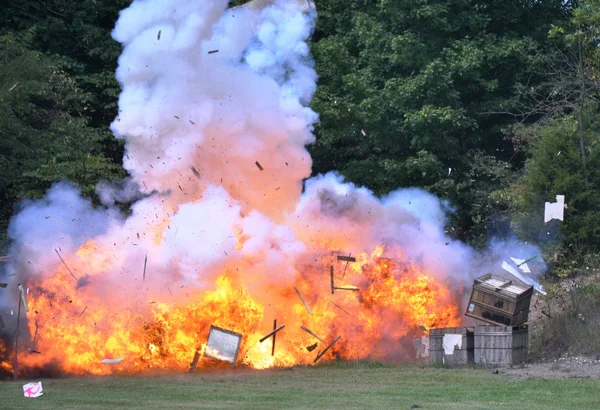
[326,349]
[272,333]
[195,361]
[312,347]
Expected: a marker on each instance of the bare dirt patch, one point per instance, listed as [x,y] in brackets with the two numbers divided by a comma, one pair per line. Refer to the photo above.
[562,368]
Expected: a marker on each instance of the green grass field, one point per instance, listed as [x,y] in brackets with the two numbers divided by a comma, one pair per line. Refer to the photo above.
[332,386]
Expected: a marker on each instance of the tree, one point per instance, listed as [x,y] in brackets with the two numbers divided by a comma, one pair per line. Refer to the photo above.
[408,89]
[44,133]
[562,143]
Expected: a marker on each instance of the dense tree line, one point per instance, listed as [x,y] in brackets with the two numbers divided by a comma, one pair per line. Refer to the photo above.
[492,105]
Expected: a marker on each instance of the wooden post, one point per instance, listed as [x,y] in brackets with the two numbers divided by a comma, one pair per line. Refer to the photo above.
[331,276]
[274,337]
[326,349]
[145,261]
[16,362]
[195,360]
[303,301]
[310,332]
[272,333]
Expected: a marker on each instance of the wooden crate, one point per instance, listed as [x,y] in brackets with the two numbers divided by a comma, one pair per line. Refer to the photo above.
[462,356]
[499,301]
[501,345]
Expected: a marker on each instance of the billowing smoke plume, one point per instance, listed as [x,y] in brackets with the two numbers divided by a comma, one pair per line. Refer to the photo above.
[215,118]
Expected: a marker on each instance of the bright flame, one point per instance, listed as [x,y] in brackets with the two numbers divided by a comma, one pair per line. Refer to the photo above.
[77,327]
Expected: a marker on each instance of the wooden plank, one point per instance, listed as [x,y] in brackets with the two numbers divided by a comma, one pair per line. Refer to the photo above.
[331,277]
[326,349]
[274,337]
[303,301]
[346,258]
[310,332]
[272,333]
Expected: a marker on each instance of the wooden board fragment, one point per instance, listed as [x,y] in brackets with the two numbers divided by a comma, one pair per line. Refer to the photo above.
[326,349]
[195,360]
[274,337]
[272,333]
[331,276]
[310,332]
[346,258]
[303,301]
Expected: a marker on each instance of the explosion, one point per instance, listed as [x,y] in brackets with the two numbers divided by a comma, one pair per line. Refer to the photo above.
[225,224]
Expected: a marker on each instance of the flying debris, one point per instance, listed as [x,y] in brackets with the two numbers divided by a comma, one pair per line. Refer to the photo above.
[326,349]
[346,258]
[272,333]
[223,344]
[64,263]
[331,277]
[145,262]
[158,35]
[111,361]
[310,332]
[195,172]
[555,210]
[274,337]
[507,267]
[213,51]
[522,264]
[23,297]
[259,166]
[303,301]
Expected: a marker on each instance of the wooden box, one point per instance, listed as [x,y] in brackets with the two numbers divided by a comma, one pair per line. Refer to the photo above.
[462,355]
[499,301]
[501,345]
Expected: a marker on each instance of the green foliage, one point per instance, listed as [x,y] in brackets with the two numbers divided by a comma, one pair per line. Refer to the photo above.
[555,169]
[46,136]
[422,79]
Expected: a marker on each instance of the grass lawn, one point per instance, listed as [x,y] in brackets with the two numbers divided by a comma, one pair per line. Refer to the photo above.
[329,386]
